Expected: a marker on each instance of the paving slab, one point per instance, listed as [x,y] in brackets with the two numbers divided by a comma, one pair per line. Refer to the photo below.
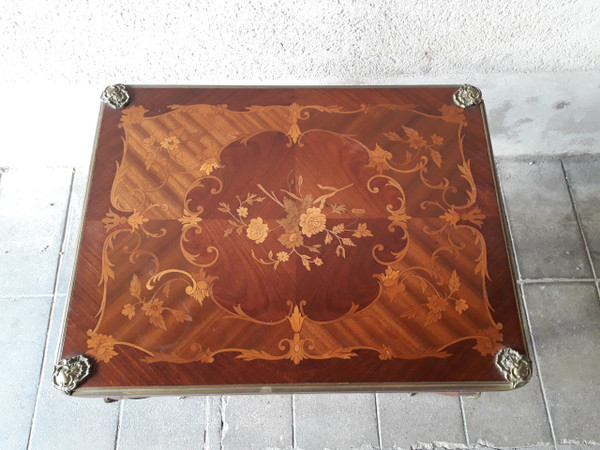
[67,422]
[33,204]
[583,175]
[159,423]
[23,325]
[543,113]
[547,241]
[564,320]
[335,421]
[58,131]
[256,422]
[509,419]
[412,420]
[72,228]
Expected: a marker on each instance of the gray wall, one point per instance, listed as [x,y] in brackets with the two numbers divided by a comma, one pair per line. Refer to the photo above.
[537,62]
[321,41]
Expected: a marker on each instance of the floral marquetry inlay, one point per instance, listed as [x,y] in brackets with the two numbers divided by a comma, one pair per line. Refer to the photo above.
[305,217]
[294,232]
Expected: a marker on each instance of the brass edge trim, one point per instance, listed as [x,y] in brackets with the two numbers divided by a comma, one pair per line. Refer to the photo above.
[291,388]
[292,86]
[507,242]
[65,316]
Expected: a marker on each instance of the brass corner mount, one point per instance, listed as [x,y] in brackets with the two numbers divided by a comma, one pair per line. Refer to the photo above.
[467,96]
[515,367]
[115,96]
[69,373]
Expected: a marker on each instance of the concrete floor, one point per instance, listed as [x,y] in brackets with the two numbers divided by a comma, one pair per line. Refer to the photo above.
[553,204]
[554,213]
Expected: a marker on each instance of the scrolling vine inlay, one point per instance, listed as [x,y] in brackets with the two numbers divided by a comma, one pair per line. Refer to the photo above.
[217,213]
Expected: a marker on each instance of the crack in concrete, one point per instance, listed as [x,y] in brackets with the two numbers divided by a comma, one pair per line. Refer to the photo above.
[224,424]
[438,445]
[361,447]
[435,445]
[580,442]
[2,170]
[485,445]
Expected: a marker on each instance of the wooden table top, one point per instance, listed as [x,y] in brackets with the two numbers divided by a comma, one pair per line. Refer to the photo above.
[292,239]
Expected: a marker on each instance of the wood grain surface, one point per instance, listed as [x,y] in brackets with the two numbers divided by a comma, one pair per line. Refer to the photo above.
[269,236]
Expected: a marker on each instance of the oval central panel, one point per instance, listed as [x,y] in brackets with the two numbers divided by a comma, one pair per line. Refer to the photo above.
[294,221]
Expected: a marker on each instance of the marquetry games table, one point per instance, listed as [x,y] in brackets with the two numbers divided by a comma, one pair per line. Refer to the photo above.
[289,240]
